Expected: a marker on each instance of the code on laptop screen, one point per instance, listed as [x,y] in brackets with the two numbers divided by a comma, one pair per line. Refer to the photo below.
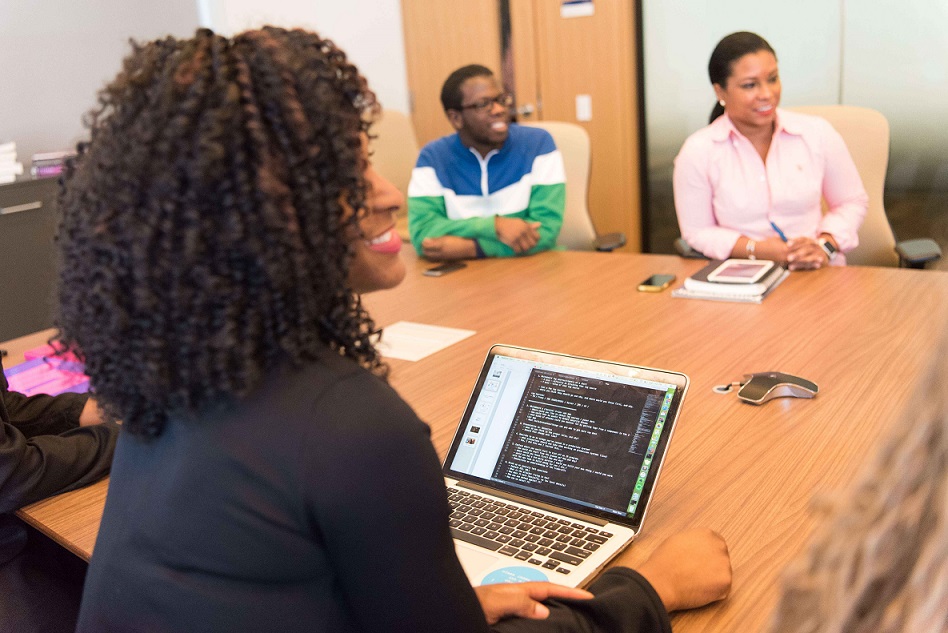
[576,436]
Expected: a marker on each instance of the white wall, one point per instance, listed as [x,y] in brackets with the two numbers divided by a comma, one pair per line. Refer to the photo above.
[369,31]
[679,35]
[56,54]
[900,67]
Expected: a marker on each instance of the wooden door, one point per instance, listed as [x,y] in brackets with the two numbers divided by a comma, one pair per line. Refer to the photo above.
[440,37]
[595,56]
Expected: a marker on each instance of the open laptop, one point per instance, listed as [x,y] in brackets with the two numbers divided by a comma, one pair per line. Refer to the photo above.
[554,462]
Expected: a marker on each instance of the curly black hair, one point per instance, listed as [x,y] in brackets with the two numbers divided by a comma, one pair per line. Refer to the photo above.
[207,223]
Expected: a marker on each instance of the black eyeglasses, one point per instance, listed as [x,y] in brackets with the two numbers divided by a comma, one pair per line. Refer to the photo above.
[504,99]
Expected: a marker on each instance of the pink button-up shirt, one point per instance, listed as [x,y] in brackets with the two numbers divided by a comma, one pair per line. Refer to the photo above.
[724,190]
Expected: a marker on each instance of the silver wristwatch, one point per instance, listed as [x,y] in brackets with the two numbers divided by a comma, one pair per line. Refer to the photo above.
[828,248]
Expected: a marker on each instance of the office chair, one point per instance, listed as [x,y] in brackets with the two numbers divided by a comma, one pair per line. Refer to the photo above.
[866,133]
[394,154]
[578,232]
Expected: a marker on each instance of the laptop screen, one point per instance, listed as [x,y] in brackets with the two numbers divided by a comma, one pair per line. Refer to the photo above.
[576,433]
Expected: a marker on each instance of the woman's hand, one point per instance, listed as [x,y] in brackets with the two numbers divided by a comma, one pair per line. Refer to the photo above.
[522,600]
[773,248]
[805,253]
[689,569]
[91,414]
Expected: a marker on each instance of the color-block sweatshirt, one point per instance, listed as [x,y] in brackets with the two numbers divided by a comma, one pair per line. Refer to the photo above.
[454,191]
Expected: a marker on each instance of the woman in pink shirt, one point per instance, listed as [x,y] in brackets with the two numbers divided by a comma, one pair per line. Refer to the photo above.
[750,184]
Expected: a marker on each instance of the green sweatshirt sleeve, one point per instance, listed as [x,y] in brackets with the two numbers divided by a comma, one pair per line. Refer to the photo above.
[547,203]
[428,217]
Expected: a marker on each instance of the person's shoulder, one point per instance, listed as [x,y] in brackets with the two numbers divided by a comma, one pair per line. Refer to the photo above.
[717,131]
[528,132]
[355,401]
[803,124]
[360,421]
[331,371]
[438,150]
[530,139]
[703,141]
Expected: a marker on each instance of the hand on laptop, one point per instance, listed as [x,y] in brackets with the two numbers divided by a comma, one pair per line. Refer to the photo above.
[523,600]
[516,233]
[690,569]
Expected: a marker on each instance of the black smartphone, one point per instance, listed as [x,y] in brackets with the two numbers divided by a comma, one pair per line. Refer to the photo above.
[444,269]
[656,283]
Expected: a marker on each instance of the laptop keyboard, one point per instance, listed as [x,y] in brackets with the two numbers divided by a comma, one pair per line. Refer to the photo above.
[537,538]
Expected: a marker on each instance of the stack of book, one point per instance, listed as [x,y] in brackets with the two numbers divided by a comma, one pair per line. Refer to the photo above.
[49,164]
[699,287]
[48,370]
[10,168]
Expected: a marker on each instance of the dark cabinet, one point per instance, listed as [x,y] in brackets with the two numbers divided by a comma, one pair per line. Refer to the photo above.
[28,269]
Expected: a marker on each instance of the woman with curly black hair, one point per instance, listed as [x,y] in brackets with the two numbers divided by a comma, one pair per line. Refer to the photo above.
[217,231]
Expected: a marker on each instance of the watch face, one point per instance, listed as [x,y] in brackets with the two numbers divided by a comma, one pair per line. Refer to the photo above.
[828,247]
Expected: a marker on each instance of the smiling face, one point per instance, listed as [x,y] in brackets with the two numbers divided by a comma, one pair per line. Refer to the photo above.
[752,93]
[483,128]
[376,264]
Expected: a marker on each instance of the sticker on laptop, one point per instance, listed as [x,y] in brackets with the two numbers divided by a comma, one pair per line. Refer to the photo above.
[514,574]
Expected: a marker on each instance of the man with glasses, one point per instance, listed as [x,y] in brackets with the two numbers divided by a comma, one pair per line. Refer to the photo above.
[493,189]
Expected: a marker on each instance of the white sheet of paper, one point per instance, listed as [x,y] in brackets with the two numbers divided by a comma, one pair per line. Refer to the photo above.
[413,341]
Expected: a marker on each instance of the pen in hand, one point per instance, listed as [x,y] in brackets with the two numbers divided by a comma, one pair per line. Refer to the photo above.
[779,232]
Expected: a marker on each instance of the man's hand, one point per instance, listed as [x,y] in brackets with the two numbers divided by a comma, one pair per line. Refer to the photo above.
[523,600]
[689,569]
[518,234]
[448,247]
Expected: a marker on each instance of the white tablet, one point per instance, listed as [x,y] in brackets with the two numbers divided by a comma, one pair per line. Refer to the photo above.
[741,271]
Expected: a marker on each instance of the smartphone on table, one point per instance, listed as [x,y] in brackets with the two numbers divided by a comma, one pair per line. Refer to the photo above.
[656,283]
[444,269]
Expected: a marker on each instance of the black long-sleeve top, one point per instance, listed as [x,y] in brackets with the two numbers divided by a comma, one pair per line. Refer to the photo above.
[317,504]
[44,451]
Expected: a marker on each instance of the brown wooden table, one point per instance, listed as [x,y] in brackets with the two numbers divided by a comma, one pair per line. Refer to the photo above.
[862,334]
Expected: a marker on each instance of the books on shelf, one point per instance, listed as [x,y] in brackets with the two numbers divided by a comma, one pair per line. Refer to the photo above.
[48,164]
[10,167]
[697,286]
[45,171]
[47,157]
[45,164]
[14,168]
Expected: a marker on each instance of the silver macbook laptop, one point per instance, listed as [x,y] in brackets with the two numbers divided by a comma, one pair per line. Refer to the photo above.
[554,462]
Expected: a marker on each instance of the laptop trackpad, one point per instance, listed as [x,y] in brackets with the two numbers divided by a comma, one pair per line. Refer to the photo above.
[475,562]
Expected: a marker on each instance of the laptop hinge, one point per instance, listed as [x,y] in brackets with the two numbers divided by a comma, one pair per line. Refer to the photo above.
[532,502]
